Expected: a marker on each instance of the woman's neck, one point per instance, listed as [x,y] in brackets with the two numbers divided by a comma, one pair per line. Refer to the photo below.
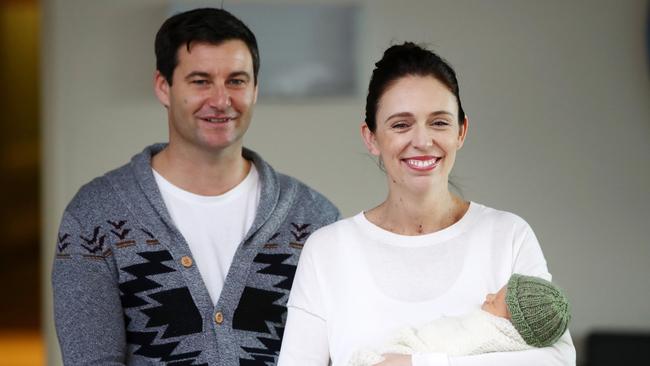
[409,214]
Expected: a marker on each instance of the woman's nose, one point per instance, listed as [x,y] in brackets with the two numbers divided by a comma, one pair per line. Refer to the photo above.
[422,138]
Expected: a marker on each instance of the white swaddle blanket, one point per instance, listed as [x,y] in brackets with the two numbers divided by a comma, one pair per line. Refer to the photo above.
[474,333]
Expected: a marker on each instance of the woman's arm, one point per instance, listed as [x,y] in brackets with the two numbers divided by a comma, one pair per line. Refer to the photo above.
[562,353]
[528,259]
[304,341]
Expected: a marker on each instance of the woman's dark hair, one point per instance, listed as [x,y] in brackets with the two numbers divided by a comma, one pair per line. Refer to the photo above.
[208,25]
[404,60]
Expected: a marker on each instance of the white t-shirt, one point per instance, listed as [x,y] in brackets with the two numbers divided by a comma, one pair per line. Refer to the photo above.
[213,226]
[357,284]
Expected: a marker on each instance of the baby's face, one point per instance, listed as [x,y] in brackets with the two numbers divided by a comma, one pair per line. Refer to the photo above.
[495,304]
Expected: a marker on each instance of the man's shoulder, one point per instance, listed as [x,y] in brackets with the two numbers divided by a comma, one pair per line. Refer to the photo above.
[292,190]
[309,199]
[125,176]
[102,189]
[303,190]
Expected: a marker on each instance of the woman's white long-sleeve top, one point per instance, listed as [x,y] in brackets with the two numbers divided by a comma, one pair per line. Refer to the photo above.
[357,284]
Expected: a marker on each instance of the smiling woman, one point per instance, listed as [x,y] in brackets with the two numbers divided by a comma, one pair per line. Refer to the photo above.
[421,254]
[417,135]
[415,123]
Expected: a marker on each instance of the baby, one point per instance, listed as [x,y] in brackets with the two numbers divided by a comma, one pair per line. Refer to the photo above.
[527,312]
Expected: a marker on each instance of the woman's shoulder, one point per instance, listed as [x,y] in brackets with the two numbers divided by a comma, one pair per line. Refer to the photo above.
[506,229]
[344,226]
[486,214]
[335,236]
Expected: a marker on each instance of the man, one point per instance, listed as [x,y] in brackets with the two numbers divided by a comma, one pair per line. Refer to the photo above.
[186,255]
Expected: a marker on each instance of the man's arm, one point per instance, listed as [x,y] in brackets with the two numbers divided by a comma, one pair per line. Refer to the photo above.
[87,309]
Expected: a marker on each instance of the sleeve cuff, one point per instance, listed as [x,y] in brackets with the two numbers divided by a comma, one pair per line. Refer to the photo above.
[429,359]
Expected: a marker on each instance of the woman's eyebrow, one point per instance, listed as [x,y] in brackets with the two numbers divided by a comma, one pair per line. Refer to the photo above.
[409,114]
[399,114]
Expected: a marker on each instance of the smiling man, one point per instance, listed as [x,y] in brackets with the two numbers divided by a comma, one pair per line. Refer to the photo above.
[186,255]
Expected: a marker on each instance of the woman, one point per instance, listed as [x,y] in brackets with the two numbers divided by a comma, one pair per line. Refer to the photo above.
[421,254]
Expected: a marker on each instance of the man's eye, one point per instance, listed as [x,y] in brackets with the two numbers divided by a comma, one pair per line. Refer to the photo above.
[440,123]
[236,82]
[400,125]
[200,82]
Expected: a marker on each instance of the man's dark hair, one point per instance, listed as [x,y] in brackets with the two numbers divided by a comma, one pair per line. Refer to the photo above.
[208,25]
[404,60]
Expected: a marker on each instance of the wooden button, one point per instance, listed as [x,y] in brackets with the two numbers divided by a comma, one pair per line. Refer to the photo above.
[218,317]
[186,261]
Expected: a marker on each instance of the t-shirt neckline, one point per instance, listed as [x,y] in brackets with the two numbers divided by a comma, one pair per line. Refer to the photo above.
[391,238]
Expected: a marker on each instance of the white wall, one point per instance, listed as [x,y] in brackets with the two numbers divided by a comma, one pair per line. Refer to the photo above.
[557,93]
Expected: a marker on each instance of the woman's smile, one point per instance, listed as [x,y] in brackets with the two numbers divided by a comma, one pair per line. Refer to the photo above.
[422,163]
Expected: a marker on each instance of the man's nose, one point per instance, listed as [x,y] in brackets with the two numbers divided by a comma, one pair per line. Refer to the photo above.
[220,98]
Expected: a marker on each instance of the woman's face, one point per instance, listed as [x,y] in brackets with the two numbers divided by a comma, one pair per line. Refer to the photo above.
[417,133]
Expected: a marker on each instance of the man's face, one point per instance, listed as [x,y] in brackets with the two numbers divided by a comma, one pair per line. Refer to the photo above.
[210,102]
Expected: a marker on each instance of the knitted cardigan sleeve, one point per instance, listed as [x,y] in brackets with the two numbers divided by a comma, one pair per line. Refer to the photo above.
[87,310]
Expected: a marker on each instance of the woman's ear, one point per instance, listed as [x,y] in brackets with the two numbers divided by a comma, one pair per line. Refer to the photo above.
[369,139]
[462,133]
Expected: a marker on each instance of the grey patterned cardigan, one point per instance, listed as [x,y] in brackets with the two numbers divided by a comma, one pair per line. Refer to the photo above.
[126,291]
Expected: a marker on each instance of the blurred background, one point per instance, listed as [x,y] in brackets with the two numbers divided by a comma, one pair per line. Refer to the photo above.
[20,178]
[558,95]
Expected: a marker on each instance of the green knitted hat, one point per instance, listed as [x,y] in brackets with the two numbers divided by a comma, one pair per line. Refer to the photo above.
[540,310]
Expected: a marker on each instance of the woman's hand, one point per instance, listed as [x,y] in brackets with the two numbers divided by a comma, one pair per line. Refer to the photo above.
[392,359]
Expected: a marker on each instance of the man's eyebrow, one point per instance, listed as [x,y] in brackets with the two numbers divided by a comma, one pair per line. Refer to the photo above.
[200,74]
[235,74]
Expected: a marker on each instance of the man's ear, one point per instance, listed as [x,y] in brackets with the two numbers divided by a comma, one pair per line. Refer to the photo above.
[255,91]
[462,133]
[161,88]
[369,139]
